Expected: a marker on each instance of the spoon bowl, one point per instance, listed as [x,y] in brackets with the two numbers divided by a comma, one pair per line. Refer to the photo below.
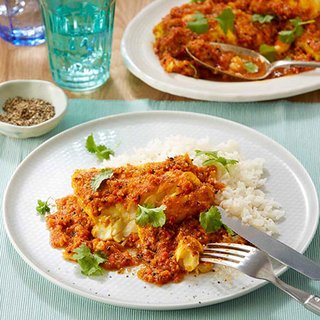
[245,53]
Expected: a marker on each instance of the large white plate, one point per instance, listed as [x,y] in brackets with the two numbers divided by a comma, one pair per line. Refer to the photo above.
[47,171]
[136,49]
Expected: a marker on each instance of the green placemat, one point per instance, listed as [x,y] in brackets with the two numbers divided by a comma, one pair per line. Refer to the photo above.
[26,295]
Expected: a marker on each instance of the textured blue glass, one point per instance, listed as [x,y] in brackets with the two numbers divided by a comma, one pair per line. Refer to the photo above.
[21,22]
[79,39]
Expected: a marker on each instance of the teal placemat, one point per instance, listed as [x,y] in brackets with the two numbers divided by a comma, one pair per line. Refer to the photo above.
[26,295]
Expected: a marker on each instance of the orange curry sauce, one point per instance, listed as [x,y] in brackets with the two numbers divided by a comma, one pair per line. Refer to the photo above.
[152,249]
[172,35]
[226,61]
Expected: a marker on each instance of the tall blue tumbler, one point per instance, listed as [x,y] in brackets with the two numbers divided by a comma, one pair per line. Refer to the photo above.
[79,38]
[21,22]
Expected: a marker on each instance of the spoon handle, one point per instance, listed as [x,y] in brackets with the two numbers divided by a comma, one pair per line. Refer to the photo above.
[287,63]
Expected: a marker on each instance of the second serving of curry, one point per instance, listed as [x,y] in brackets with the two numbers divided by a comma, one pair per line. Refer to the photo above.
[277,29]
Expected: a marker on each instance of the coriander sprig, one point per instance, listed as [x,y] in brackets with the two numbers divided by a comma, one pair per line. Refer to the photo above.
[153,216]
[262,18]
[198,23]
[251,67]
[43,207]
[288,36]
[226,20]
[103,175]
[101,151]
[214,159]
[89,262]
[268,52]
[211,221]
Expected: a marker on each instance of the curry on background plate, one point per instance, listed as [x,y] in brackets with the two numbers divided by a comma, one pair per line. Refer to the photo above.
[277,29]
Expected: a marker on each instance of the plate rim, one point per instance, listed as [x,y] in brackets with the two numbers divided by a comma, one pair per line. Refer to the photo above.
[193,93]
[142,306]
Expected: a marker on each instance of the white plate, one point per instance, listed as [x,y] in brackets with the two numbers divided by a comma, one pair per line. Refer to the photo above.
[137,51]
[47,171]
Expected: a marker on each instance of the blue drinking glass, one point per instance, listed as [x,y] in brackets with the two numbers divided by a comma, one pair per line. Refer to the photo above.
[21,22]
[79,39]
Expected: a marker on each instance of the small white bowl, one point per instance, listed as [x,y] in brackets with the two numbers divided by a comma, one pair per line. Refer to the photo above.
[37,89]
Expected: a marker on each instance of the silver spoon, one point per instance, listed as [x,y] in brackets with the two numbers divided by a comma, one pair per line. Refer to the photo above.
[269,67]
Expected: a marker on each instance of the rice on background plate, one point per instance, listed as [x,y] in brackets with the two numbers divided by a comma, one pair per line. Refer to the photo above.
[243,197]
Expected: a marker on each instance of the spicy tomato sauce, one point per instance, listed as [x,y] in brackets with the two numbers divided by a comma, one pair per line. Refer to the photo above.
[173,34]
[153,250]
[185,189]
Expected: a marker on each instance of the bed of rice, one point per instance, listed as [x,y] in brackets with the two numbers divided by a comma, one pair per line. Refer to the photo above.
[243,196]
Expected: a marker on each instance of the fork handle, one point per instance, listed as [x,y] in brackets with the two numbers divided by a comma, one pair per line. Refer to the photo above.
[309,301]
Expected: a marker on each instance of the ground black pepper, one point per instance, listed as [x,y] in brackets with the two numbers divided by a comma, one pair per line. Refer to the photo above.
[26,112]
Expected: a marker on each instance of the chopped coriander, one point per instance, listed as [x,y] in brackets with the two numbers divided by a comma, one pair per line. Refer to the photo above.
[262,18]
[251,67]
[43,207]
[268,52]
[288,36]
[213,159]
[153,216]
[211,221]
[229,230]
[195,1]
[101,151]
[226,20]
[90,144]
[96,181]
[198,23]
[88,262]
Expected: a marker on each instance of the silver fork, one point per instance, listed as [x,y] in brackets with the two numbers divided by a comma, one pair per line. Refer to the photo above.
[255,263]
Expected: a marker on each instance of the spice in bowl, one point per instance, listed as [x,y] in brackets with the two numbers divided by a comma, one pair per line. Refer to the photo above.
[26,112]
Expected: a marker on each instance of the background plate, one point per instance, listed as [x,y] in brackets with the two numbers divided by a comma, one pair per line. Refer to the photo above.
[137,51]
[46,172]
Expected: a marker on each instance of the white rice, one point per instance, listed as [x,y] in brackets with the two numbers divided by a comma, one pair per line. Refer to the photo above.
[242,197]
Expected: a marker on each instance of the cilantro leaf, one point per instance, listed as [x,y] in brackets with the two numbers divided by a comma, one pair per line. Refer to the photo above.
[88,262]
[288,36]
[251,67]
[229,230]
[96,181]
[196,1]
[43,207]
[298,23]
[211,221]
[90,144]
[198,23]
[226,20]
[81,252]
[101,151]
[268,52]
[261,18]
[153,216]
[213,159]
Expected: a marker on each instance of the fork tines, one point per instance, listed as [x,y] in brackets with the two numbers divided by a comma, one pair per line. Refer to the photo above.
[228,254]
